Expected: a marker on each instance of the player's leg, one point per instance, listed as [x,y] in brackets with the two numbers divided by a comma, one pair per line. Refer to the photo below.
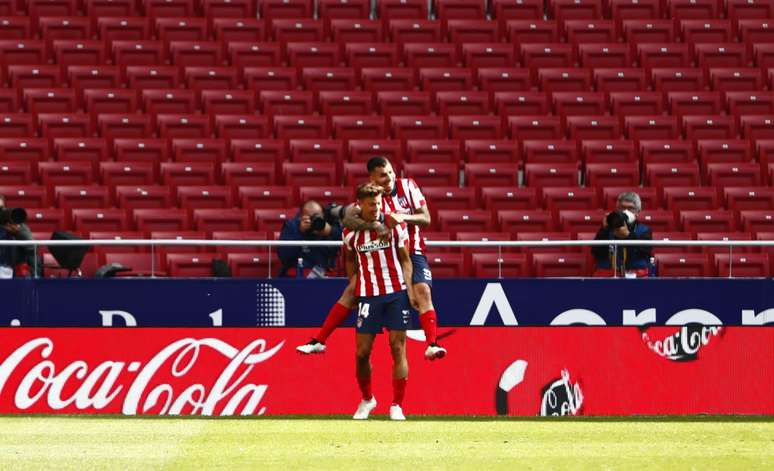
[369,323]
[428,319]
[397,318]
[399,373]
[363,345]
[336,316]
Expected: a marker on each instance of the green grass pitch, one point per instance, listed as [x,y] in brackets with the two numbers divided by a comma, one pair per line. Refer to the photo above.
[700,443]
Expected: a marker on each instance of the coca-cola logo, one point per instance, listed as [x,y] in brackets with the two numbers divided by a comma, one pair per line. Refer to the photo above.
[561,397]
[162,385]
[683,345]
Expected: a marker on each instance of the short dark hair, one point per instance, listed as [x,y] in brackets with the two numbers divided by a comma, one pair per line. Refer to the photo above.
[376,162]
[368,190]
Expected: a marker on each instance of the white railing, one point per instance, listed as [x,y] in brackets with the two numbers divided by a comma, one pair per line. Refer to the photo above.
[269,244]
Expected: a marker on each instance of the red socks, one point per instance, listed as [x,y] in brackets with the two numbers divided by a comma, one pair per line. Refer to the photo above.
[335,318]
[428,321]
[365,387]
[398,390]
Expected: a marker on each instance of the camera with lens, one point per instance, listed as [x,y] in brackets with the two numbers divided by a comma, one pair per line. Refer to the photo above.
[12,216]
[617,219]
[332,214]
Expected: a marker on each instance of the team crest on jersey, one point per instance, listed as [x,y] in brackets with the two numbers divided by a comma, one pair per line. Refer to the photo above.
[402,201]
[373,246]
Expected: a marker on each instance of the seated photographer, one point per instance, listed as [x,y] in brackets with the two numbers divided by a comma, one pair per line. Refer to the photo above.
[622,223]
[18,261]
[313,222]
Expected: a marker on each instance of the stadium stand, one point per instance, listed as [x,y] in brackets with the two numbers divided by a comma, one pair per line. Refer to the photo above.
[220,116]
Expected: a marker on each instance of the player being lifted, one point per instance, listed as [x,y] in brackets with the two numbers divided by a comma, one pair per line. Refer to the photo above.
[403,202]
[382,268]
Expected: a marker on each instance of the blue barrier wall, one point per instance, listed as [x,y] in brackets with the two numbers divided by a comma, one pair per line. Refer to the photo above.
[463,302]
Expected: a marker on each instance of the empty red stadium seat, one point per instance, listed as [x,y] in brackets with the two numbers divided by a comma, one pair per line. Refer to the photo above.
[247,54]
[492,151]
[669,79]
[201,78]
[564,79]
[199,150]
[691,198]
[560,265]
[237,29]
[550,174]
[757,220]
[242,126]
[742,265]
[327,194]
[128,173]
[252,197]
[249,173]
[438,79]
[749,198]
[684,265]
[506,265]
[433,174]
[535,127]
[144,196]
[581,128]
[620,79]
[550,151]
[361,150]
[231,219]
[190,265]
[515,221]
[309,174]
[608,151]
[430,150]
[718,220]
[102,219]
[316,150]
[659,220]
[359,127]
[503,79]
[205,196]
[26,196]
[466,220]
[113,126]
[338,103]
[501,198]
[249,265]
[187,173]
[559,198]
[447,265]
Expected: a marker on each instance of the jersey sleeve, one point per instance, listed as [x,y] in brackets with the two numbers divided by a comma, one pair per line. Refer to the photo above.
[417,198]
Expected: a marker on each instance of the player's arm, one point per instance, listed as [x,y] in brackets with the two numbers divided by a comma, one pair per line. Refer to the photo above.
[421,218]
[354,222]
[408,272]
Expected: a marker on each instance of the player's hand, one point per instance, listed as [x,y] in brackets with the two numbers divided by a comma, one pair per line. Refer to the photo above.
[392,220]
[383,232]
[305,224]
[13,229]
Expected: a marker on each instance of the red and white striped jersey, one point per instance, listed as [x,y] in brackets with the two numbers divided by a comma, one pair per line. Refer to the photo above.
[406,198]
[378,267]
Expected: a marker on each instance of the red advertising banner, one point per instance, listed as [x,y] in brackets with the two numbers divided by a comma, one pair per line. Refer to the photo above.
[590,371]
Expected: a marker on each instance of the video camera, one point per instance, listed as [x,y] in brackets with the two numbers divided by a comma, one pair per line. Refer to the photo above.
[12,216]
[332,213]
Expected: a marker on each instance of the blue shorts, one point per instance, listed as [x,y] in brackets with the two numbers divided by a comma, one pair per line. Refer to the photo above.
[392,311]
[421,270]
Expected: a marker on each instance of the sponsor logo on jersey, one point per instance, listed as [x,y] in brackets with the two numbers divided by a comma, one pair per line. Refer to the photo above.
[373,246]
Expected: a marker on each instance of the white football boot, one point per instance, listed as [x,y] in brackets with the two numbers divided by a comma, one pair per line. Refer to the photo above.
[312,347]
[435,352]
[364,408]
[396,413]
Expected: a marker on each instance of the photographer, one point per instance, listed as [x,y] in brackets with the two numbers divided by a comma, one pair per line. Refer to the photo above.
[313,222]
[15,262]
[623,224]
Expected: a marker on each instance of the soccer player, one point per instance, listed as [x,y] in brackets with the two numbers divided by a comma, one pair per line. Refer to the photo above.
[403,202]
[385,295]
